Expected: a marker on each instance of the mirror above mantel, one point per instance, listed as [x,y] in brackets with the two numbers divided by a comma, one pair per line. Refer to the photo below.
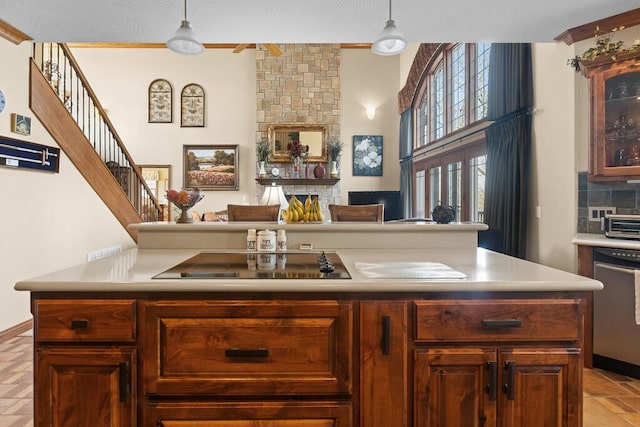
[315,136]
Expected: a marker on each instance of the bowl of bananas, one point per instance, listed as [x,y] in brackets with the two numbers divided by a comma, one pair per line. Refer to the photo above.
[307,212]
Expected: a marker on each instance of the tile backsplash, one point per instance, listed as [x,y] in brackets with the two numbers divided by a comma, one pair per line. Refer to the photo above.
[623,196]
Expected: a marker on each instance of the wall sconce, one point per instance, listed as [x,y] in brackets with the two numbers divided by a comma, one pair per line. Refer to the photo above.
[371,112]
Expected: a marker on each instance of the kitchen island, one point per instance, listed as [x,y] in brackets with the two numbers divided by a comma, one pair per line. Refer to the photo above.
[498,343]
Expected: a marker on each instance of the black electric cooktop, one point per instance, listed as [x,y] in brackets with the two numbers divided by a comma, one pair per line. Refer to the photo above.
[259,265]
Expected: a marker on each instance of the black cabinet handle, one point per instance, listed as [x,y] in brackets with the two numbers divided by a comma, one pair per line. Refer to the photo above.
[505,323]
[79,324]
[386,335]
[492,386]
[254,352]
[510,386]
[125,386]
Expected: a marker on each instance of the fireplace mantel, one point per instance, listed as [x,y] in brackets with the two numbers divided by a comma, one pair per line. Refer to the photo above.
[298,181]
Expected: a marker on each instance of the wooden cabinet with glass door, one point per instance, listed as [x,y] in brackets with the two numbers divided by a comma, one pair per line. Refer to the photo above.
[615,116]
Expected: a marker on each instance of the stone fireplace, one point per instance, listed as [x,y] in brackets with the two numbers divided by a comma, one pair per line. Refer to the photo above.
[300,87]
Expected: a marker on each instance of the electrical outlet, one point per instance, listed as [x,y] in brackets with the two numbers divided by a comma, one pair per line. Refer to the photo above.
[596,213]
[104,252]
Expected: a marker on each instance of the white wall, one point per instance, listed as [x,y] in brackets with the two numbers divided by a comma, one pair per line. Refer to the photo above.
[553,174]
[229,83]
[49,221]
[121,77]
[560,150]
[367,79]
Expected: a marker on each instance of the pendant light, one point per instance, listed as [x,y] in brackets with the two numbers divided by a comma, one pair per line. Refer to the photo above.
[184,40]
[390,41]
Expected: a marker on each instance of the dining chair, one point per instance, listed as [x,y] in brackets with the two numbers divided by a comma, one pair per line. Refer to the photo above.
[361,213]
[253,212]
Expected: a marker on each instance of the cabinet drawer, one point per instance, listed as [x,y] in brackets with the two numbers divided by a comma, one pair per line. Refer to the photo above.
[499,320]
[85,320]
[248,348]
[249,414]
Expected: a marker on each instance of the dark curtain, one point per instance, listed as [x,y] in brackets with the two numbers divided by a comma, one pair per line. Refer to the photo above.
[508,148]
[406,149]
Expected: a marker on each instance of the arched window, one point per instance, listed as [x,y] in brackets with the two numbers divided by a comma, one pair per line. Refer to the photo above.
[450,107]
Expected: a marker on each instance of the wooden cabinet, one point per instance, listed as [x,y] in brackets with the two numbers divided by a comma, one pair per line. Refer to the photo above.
[310,360]
[498,363]
[85,363]
[383,364]
[615,116]
[85,387]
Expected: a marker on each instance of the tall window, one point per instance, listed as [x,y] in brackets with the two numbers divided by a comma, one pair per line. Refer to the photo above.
[420,194]
[435,194]
[477,172]
[437,102]
[454,187]
[458,87]
[481,79]
[449,149]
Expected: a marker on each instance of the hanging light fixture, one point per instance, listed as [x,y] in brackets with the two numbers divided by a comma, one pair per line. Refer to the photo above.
[390,41]
[184,40]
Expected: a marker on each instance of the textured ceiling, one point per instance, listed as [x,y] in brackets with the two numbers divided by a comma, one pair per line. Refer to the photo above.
[303,21]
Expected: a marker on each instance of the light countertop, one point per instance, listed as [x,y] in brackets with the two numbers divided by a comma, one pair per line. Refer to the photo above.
[486,271]
[601,240]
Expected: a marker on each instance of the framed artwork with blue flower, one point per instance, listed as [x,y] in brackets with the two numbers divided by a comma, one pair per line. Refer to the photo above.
[367,155]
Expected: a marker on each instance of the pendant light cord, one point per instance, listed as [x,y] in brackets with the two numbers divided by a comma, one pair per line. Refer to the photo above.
[389,9]
[185,9]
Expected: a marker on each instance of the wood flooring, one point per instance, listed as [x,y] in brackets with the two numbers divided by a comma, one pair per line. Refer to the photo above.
[610,400]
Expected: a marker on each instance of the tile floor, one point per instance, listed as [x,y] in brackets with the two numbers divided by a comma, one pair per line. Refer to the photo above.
[610,400]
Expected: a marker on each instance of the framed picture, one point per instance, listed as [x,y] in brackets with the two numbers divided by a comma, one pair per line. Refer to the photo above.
[192,106]
[160,101]
[211,167]
[20,124]
[367,155]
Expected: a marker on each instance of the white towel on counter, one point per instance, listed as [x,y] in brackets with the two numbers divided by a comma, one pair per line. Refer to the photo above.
[637,286]
[408,270]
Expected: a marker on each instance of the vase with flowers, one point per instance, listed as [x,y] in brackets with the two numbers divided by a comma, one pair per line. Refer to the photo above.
[298,153]
[334,149]
[263,153]
[184,200]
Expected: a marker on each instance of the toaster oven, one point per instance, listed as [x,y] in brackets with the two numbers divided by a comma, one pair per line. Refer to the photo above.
[621,226]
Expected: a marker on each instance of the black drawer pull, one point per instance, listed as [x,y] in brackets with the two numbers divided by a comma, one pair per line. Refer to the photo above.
[510,386]
[386,335]
[492,386]
[255,352]
[124,381]
[79,324]
[506,323]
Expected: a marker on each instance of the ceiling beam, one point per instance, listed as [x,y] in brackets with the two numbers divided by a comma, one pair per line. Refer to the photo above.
[206,45]
[11,33]
[587,31]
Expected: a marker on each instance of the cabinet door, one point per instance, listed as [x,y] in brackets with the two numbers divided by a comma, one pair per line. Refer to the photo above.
[383,364]
[248,414]
[541,387]
[85,387]
[615,111]
[455,387]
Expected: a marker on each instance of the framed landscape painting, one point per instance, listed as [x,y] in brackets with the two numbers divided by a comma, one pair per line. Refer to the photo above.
[211,167]
[367,155]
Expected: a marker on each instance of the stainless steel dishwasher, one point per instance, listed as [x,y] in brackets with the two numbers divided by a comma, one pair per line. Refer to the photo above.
[616,337]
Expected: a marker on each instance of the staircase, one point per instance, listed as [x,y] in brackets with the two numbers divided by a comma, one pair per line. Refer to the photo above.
[67,107]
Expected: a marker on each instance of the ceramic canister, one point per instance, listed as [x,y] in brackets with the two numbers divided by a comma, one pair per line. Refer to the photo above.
[266,240]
